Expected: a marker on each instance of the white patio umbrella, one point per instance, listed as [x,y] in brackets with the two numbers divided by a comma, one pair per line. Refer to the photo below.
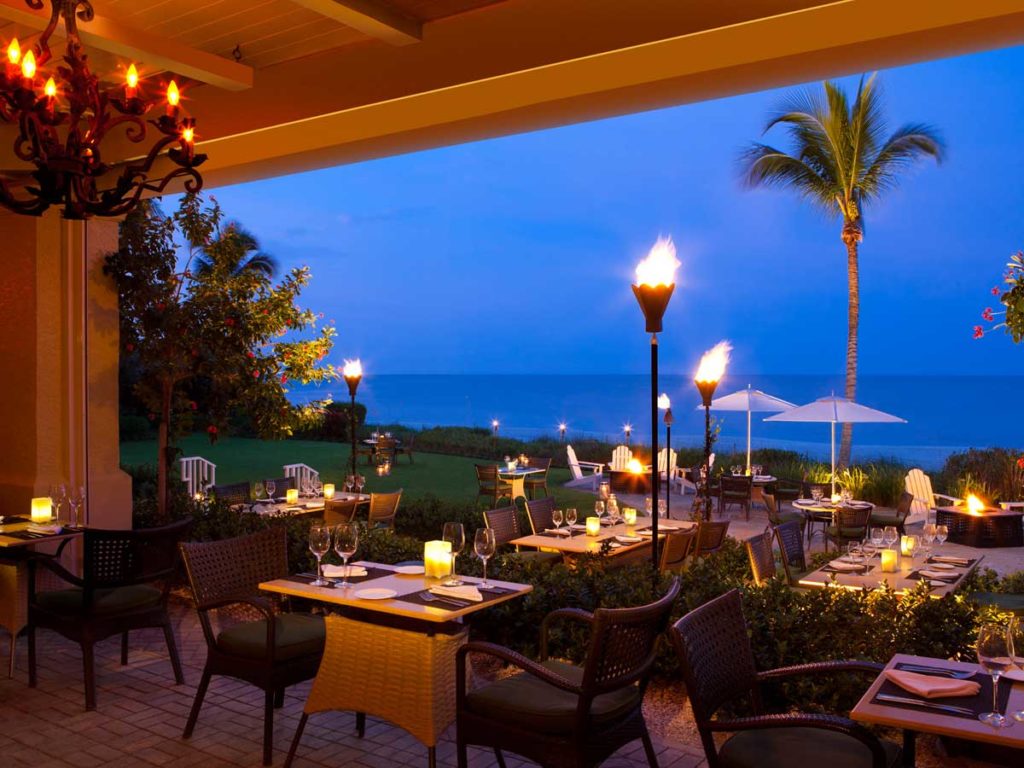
[751,401]
[836,410]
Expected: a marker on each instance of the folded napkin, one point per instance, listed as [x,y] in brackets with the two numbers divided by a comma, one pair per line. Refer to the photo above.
[578,527]
[37,528]
[557,531]
[465,592]
[628,539]
[950,560]
[342,571]
[313,505]
[944,576]
[842,565]
[930,686]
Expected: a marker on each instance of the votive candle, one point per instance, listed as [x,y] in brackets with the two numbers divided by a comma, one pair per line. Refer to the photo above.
[291,495]
[907,546]
[437,559]
[328,490]
[890,562]
[593,526]
[629,515]
[42,509]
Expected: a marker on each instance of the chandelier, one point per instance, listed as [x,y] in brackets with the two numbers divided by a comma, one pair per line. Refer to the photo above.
[63,117]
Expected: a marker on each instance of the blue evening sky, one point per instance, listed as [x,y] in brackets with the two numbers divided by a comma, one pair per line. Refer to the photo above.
[516,254]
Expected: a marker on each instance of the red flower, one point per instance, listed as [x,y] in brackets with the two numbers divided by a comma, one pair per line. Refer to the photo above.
[229,322]
[987,314]
[130,347]
[212,429]
[266,311]
[995,291]
[1020,462]
[255,374]
[978,331]
[250,355]
[160,306]
[284,379]
[193,405]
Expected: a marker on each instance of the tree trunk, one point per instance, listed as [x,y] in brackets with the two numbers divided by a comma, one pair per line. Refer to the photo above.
[163,448]
[851,237]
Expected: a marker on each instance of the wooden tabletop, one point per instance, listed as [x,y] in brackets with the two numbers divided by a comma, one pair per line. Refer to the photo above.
[519,471]
[305,506]
[930,721]
[580,543]
[403,585]
[9,541]
[898,580]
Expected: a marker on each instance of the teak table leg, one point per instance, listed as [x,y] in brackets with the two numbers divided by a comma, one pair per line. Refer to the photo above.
[909,749]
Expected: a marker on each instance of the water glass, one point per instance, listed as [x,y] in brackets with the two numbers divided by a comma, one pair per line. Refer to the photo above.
[319,545]
[877,537]
[271,487]
[484,546]
[890,535]
[455,535]
[556,518]
[941,533]
[648,506]
[346,542]
[994,657]
[928,536]
[350,483]
[854,552]
[662,507]
[257,490]
[1015,641]
[816,494]
[599,508]
[570,517]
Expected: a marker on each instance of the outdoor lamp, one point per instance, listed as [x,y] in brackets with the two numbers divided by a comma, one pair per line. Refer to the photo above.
[665,405]
[42,509]
[353,374]
[709,373]
[494,426]
[655,281]
[561,431]
[627,430]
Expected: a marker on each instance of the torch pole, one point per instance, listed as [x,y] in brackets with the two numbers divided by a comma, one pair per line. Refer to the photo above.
[352,432]
[654,453]
[669,469]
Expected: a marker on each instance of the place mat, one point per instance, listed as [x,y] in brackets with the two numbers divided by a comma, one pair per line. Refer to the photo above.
[953,577]
[970,561]
[416,598]
[371,573]
[12,519]
[978,704]
[559,535]
[864,569]
[29,535]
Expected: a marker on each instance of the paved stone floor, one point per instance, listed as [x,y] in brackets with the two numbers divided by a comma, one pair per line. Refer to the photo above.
[140,715]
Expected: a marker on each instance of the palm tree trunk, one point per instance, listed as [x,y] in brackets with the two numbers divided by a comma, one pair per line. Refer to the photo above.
[851,237]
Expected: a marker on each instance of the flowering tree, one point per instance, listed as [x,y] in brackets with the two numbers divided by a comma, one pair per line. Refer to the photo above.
[232,333]
[1012,299]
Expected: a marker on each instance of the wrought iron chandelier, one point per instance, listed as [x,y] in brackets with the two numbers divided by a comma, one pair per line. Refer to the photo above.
[62,119]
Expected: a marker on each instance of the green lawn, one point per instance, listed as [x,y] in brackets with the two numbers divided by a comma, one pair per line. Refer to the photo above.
[238,459]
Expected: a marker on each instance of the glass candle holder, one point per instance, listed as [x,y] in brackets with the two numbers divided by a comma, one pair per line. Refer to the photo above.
[593,526]
[437,559]
[328,490]
[42,509]
[890,561]
[629,516]
[291,496]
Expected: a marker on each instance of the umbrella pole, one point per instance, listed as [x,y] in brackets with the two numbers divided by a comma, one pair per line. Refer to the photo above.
[833,458]
[748,437]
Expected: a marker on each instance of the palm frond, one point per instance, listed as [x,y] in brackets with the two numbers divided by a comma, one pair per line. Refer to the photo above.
[260,262]
[907,146]
[766,166]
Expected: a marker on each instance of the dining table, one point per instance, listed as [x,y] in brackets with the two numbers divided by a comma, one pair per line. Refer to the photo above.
[759,483]
[943,574]
[622,540]
[278,507]
[823,511]
[887,704]
[391,645]
[517,477]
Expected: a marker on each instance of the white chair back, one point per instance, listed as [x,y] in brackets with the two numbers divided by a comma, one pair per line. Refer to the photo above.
[920,485]
[620,457]
[667,458]
[303,474]
[197,473]
[574,463]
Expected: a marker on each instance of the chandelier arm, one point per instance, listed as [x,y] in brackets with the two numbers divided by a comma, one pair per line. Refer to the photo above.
[31,207]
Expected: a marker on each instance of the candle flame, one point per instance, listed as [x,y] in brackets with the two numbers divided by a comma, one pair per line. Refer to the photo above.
[635,467]
[50,89]
[353,369]
[659,268]
[188,135]
[28,65]
[713,363]
[14,52]
[663,402]
[975,506]
[132,77]
[173,94]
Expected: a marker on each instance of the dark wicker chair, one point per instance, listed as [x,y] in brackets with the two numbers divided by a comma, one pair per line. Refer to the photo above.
[762,557]
[340,511]
[116,593]
[710,536]
[490,486]
[272,653]
[897,517]
[849,525]
[534,483]
[383,509]
[791,545]
[737,491]
[232,493]
[776,516]
[405,449]
[807,486]
[559,714]
[718,669]
[505,524]
[539,513]
[676,548]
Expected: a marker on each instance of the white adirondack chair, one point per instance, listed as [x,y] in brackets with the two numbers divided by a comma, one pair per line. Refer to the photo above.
[668,458]
[925,499]
[303,474]
[620,458]
[577,468]
[197,473]
[1012,506]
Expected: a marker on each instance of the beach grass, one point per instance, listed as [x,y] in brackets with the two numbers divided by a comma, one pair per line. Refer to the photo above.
[237,458]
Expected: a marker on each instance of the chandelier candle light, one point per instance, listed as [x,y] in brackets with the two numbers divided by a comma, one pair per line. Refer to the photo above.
[665,404]
[353,374]
[655,281]
[710,371]
[63,116]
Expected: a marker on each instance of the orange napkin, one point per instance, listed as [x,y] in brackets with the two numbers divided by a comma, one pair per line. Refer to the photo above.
[930,686]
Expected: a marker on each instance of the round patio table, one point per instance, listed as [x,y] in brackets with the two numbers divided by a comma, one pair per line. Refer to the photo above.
[824,512]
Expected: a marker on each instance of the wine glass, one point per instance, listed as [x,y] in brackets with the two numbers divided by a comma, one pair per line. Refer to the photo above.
[346,542]
[941,533]
[360,483]
[599,509]
[994,658]
[648,506]
[350,483]
[662,507]
[319,545]
[816,494]
[890,535]
[75,501]
[271,486]
[570,518]
[612,505]
[1015,640]
[556,518]
[454,534]
[877,537]
[58,493]
[484,546]
[928,536]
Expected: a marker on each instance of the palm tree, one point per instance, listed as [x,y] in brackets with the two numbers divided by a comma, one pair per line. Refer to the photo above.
[841,160]
[236,251]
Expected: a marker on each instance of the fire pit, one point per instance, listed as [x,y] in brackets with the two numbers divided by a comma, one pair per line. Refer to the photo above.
[635,479]
[983,527]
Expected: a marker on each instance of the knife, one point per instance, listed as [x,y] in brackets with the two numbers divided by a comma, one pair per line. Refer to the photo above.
[948,708]
[954,673]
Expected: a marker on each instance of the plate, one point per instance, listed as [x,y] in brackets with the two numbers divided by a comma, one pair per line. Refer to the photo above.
[375,594]
[1015,674]
[410,570]
[941,567]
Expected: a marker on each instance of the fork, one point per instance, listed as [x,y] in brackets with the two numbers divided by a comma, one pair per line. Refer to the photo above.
[430,597]
[940,671]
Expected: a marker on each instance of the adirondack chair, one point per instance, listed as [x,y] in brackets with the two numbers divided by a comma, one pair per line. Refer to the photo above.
[672,477]
[577,468]
[925,499]
[303,473]
[620,458]
[197,474]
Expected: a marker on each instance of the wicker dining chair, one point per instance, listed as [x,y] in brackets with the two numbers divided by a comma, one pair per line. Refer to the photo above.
[232,494]
[490,485]
[383,509]
[117,592]
[777,516]
[737,491]
[505,524]
[340,511]
[559,714]
[539,512]
[897,517]
[849,525]
[676,548]
[534,483]
[718,669]
[710,536]
[762,557]
[791,545]
[276,651]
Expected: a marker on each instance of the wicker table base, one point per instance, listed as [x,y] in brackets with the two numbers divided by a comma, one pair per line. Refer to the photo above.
[992,528]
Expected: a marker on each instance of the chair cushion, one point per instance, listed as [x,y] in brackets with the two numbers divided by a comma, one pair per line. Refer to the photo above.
[886,518]
[529,702]
[295,634]
[788,747]
[106,602]
[1008,602]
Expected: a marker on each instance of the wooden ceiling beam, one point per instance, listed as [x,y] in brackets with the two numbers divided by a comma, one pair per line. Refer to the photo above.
[153,52]
[371,17]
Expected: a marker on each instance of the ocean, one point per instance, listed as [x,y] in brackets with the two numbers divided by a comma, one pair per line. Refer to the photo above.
[944,414]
